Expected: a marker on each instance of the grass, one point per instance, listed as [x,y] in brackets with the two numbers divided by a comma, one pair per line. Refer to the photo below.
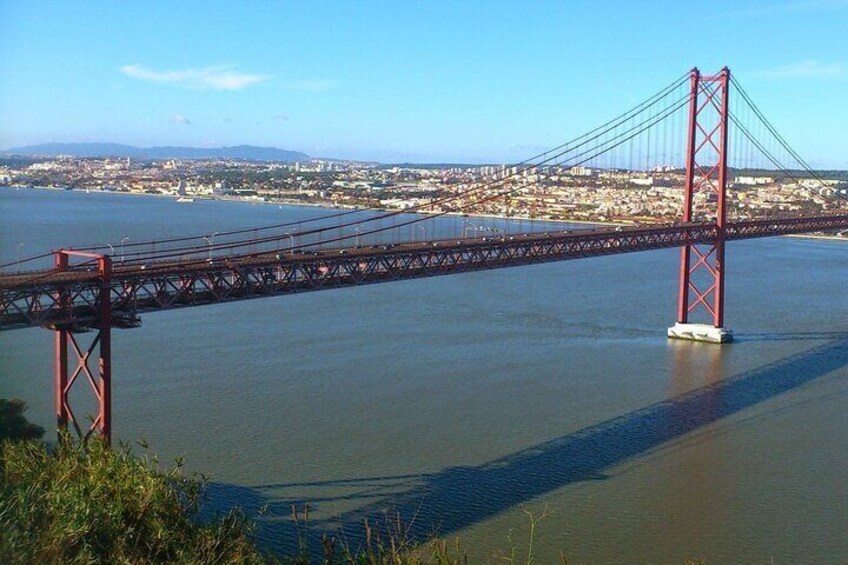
[93,504]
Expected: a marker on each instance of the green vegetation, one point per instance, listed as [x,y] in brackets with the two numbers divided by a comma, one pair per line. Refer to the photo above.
[94,504]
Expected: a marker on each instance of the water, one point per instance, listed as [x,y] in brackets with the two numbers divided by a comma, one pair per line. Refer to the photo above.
[472,398]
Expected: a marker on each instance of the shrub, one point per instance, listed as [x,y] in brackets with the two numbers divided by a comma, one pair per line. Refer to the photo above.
[96,504]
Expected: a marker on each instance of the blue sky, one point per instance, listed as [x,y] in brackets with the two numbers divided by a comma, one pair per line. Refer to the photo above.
[398,80]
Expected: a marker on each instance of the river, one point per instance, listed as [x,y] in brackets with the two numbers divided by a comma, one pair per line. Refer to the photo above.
[468,401]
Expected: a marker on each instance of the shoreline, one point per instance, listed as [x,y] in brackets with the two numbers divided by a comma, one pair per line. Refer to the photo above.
[813,236]
[321,205]
[337,207]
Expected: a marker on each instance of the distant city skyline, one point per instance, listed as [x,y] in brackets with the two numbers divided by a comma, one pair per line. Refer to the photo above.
[440,82]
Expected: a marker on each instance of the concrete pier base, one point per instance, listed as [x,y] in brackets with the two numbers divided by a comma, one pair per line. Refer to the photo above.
[700,332]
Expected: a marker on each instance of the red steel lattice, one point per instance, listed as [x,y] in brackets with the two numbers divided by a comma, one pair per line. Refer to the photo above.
[99,380]
[702,268]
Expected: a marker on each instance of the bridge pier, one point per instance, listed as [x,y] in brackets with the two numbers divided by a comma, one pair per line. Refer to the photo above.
[99,379]
[66,334]
[701,266]
[700,332]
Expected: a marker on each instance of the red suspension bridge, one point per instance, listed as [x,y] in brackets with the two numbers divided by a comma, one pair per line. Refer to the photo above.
[89,291]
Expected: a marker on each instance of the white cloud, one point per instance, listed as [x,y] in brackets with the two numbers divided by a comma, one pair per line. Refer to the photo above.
[806,69]
[180,119]
[221,77]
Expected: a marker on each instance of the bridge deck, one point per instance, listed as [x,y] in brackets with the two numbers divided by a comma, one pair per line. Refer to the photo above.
[70,297]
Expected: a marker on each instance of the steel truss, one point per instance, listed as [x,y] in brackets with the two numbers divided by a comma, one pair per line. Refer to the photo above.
[72,298]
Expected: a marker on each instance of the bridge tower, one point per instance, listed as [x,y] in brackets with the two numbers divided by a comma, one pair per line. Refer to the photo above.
[69,334]
[700,308]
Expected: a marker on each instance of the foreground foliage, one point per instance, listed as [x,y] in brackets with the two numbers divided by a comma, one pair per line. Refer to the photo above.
[95,504]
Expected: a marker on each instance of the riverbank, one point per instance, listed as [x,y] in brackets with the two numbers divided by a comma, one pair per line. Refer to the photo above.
[814,236]
[329,206]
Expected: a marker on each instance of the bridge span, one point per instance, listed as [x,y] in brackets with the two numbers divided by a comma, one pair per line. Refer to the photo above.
[71,296]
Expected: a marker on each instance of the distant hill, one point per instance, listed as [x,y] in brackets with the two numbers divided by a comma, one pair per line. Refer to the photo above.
[246,152]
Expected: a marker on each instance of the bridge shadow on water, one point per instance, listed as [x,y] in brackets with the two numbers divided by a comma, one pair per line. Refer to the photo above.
[452,499]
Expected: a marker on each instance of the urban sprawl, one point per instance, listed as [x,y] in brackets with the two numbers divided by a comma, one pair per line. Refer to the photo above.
[552,193]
